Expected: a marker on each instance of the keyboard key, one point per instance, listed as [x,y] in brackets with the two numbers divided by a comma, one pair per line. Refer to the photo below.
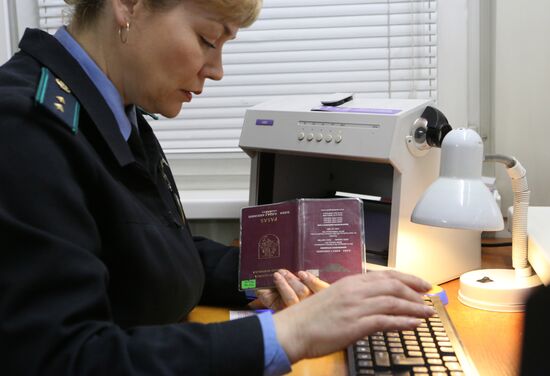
[397,350]
[382,359]
[365,371]
[365,363]
[402,360]
[453,366]
[432,355]
[364,356]
[420,369]
[449,358]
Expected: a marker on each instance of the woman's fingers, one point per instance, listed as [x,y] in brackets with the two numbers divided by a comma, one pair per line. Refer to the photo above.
[412,281]
[394,306]
[286,292]
[312,282]
[388,287]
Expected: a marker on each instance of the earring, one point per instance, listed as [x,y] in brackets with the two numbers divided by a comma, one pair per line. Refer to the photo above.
[123,33]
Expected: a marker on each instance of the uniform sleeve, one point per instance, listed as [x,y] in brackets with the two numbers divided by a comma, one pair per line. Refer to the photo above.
[55,314]
[221,264]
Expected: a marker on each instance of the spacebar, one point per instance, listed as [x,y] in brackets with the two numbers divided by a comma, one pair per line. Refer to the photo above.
[402,360]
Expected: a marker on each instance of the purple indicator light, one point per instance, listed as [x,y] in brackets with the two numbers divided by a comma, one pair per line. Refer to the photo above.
[267,122]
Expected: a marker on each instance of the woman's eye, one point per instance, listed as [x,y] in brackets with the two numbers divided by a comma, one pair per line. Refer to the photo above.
[207,43]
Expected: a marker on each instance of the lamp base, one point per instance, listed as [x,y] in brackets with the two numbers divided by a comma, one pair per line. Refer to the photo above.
[498,290]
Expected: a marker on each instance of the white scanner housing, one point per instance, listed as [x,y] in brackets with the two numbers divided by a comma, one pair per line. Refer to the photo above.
[297,152]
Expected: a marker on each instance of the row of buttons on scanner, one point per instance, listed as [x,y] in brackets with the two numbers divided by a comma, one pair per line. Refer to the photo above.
[319,137]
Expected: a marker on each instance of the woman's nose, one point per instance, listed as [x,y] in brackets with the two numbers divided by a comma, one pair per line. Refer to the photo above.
[214,70]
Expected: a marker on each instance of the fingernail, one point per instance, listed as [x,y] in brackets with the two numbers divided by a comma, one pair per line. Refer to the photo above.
[414,322]
[429,310]
[427,286]
[277,276]
[302,275]
[283,272]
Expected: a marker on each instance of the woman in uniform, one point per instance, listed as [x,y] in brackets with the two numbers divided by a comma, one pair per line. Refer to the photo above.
[98,268]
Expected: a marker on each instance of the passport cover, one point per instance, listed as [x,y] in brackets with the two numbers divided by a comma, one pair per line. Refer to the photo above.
[323,236]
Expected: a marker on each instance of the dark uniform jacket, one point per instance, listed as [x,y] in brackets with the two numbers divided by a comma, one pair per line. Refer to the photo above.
[97,266]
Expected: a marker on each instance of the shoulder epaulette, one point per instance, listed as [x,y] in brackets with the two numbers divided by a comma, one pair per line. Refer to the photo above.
[56,97]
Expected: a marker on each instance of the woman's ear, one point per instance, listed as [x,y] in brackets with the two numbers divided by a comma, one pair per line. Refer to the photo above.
[124,10]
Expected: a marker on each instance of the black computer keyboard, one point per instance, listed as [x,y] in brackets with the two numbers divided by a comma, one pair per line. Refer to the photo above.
[432,349]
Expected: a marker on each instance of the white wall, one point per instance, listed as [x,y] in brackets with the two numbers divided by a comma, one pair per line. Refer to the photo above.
[5,42]
[452,56]
[521,92]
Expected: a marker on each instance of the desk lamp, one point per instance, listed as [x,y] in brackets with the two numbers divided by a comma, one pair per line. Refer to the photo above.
[460,199]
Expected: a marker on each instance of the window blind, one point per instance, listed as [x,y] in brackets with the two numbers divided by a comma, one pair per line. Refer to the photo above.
[381,48]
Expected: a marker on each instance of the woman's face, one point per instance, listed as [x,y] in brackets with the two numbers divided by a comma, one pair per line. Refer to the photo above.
[170,54]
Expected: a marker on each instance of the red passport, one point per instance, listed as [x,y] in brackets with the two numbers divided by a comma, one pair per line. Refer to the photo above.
[323,236]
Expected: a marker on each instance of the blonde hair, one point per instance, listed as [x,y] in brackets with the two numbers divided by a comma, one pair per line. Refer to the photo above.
[242,12]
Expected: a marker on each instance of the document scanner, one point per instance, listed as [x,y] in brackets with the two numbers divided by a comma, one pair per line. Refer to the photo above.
[365,147]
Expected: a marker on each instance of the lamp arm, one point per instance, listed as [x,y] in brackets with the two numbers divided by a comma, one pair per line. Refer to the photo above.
[517,174]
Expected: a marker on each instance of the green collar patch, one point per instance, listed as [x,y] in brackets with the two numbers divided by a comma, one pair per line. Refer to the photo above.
[151,115]
[56,97]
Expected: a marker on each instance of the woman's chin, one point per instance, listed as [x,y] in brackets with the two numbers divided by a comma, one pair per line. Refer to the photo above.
[170,111]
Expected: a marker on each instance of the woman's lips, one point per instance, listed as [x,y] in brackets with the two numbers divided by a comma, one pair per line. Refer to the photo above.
[187,95]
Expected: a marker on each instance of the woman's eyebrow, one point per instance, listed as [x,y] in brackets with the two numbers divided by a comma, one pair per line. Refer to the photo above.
[230,33]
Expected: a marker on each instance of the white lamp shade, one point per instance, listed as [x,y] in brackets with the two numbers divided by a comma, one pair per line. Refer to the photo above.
[459,198]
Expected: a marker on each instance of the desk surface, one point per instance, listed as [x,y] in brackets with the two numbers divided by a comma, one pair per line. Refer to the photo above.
[492,339]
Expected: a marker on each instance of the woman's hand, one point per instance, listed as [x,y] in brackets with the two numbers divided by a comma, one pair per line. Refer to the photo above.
[350,309]
[289,289]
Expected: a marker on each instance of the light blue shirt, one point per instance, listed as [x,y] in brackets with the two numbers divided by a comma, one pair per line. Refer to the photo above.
[100,80]
[275,359]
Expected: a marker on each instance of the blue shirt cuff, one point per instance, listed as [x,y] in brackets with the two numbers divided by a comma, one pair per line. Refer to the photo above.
[275,359]
[250,294]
